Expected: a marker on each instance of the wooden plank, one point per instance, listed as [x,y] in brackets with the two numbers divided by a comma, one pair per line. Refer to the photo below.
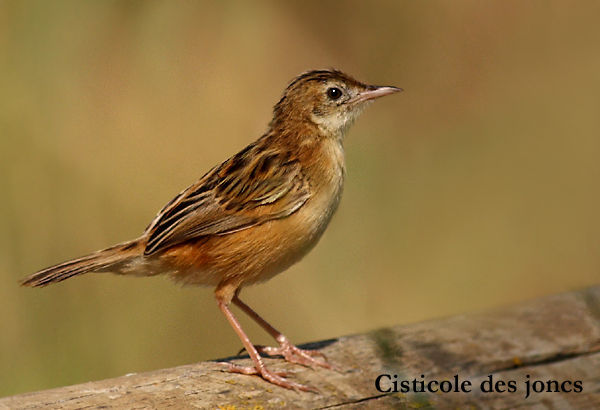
[555,338]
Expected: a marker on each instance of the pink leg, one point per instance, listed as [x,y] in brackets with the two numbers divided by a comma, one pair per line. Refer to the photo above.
[259,367]
[286,349]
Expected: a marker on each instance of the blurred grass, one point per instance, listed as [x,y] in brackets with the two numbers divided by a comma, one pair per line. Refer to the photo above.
[477,187]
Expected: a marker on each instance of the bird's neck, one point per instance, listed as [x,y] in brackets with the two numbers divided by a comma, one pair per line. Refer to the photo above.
[309,128]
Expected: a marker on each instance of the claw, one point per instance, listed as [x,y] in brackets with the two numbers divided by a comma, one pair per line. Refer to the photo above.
[296,355]
[278,378]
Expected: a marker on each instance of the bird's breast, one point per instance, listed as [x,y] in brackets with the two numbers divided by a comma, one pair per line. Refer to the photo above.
[326,176]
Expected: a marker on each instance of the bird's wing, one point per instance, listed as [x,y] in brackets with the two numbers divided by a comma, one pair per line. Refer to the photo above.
[250,188]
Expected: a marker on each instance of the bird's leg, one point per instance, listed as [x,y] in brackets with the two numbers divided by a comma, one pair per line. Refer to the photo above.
[259,366]
[286,349]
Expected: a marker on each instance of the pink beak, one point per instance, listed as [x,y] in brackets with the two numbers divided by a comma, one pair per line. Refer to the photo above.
[375,92]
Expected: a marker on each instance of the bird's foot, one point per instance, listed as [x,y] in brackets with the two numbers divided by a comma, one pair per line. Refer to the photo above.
[277,378]
[294,354]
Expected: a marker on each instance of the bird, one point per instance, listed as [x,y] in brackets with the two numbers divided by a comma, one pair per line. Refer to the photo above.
[252,216]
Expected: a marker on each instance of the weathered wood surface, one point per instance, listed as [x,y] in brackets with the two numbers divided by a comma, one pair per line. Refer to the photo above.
[556,337]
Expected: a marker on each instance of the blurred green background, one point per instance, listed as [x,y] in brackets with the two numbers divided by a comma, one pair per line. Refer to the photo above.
[477,187]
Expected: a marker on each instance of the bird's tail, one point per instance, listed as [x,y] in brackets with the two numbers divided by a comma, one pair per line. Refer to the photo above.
[110,259]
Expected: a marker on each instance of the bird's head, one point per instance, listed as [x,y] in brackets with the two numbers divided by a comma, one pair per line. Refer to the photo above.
[329,99]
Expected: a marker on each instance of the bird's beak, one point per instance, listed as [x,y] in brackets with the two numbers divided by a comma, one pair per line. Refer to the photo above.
[374,91]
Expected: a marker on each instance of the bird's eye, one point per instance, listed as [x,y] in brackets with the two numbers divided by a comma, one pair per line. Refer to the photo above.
[334,93]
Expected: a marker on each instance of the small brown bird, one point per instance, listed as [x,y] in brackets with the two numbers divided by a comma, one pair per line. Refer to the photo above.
[254,215]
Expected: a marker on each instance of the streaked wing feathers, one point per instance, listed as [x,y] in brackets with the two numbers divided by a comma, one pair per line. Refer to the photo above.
[252,187]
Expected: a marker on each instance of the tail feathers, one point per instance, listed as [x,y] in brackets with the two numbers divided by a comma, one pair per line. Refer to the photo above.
[107,259]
